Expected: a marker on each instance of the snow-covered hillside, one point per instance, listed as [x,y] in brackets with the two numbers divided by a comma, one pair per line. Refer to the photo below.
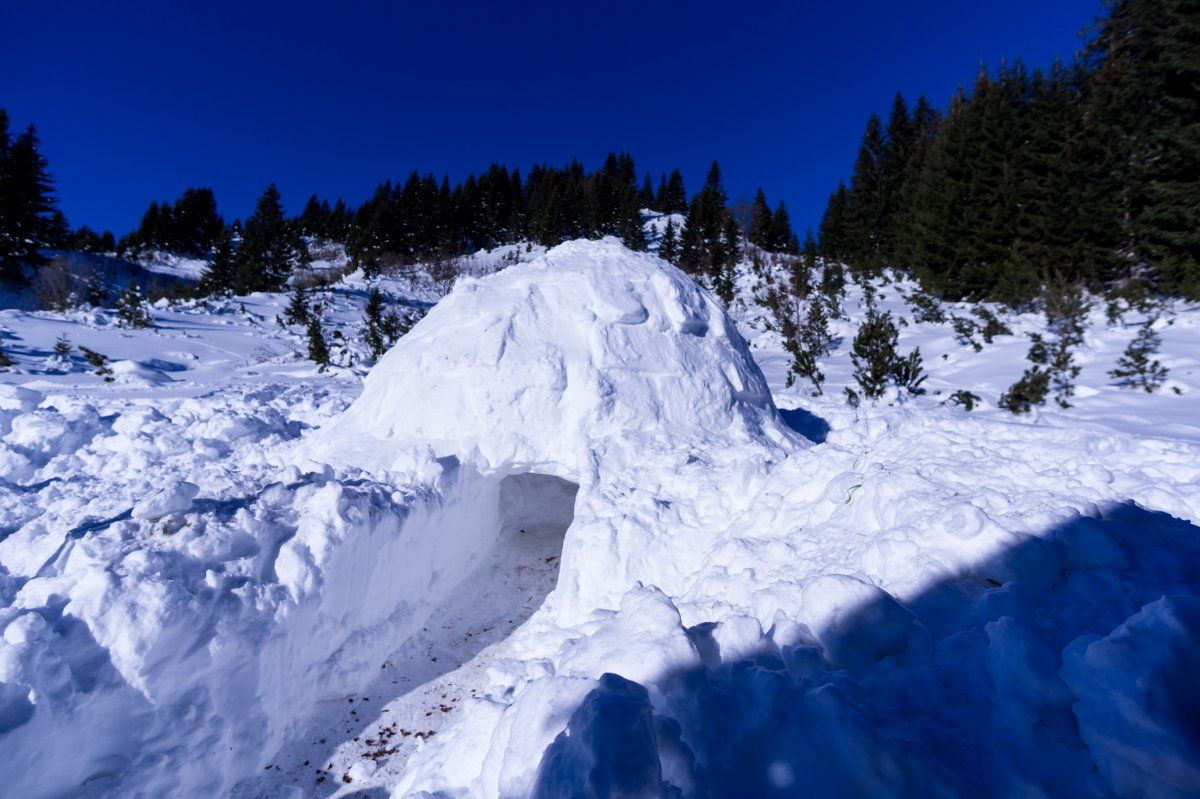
[572,537]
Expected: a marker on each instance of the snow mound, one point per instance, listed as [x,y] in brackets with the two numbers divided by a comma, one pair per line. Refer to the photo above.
[542,366]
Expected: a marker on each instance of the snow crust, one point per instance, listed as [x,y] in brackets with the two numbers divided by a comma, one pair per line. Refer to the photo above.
[202,595]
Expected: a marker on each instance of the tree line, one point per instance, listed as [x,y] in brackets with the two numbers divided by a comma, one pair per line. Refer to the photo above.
[1088,172]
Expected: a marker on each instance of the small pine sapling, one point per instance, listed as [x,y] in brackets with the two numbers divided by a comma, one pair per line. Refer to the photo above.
[990,325]
[99,362]
[964,332]
[873,353]
[908,373]
[966,400]
[1137,367]
[926,307]
[318,348]
[131,309]
[297,311]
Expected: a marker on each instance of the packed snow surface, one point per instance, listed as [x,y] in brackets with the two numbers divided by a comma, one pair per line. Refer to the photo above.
[563,544]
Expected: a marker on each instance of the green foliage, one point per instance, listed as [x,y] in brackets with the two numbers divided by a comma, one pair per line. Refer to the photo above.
[705,244]
[926,308]
[966,400]
[98,362]
[1137,367]
[28,222]
[1030,390]
[877,362]
[668,246]
[964,332]
[990,325]
[220,275]
[271,247]
[131,309]
[297,311]
[381,327]
[318,348]
[671,197]
[1090,168]
[190,225]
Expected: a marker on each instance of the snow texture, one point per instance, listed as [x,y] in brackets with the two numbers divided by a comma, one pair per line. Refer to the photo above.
[563,544]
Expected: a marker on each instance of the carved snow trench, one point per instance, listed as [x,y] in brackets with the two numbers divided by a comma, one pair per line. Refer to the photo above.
[368,738]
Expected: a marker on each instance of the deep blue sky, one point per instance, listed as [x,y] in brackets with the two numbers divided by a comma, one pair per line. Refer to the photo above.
[137,101]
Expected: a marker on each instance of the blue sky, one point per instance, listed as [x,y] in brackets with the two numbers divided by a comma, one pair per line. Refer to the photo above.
[137,101]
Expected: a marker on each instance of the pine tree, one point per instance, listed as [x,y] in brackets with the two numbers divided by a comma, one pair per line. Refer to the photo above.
[220,275]
[318,348]
[297,311]
[98,362]
[758,227]
[1031,389]
[196,225]
[26,206]
[1171,221]
[646,196]
[1137,367]
[271,249]
[874,354]
[668,246]
[62,348]
[835,229]
[865,206]
[131,308]
[703,243]
[5,361]
[674,200]
[381,326]
[877,360]
[814,342]
[780,236]
[1066,307]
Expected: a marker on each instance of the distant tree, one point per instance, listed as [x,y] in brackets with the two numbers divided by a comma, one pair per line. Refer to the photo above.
[381,327]
[780,237]
[220,274]
[703,243]
[672,197]
[758,227]
[646,195]
[131,308]
[271,248]
[197,225]
[866,199]
[26,204]
[668,246]
[836,244]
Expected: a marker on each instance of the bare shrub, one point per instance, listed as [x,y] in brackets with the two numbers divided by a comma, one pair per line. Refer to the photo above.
[54,286]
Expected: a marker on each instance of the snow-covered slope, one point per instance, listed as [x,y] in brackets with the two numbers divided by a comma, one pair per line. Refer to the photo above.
[202,595]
